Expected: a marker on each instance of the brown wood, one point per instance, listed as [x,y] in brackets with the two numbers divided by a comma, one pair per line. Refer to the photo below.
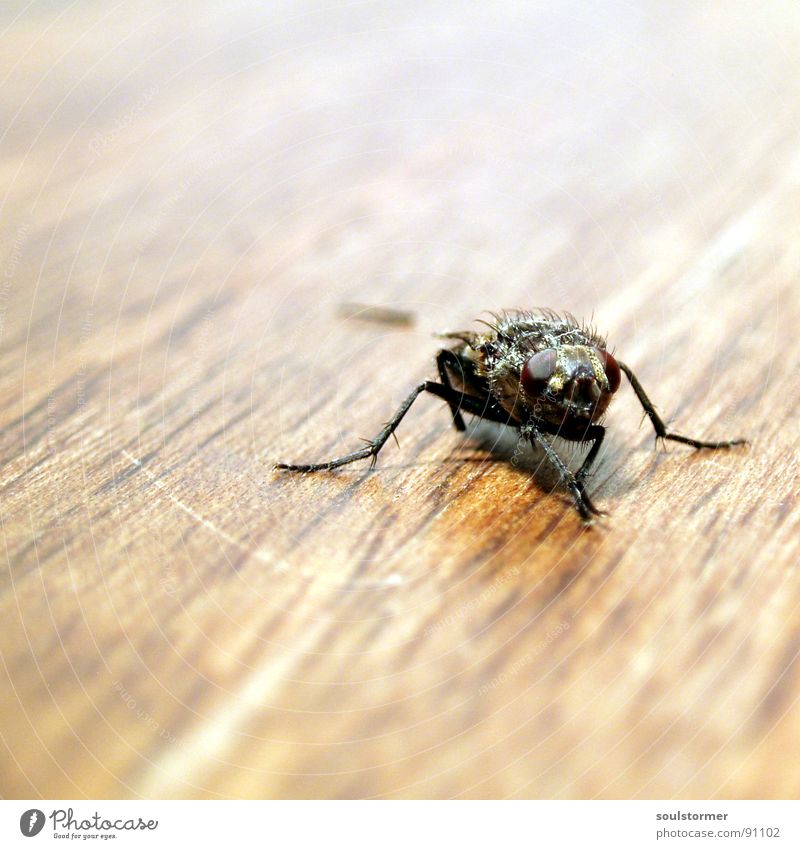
[188,199]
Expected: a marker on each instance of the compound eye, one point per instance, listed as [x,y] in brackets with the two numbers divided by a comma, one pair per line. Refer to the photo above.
[536,373]
[612,371]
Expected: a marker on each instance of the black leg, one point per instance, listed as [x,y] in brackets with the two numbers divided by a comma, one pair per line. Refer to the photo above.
[582,501]
[484,408]
[444,359]
[594,434]
[481,407]
[661,428]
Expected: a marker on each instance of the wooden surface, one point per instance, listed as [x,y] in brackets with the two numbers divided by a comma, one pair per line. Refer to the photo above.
[189,193]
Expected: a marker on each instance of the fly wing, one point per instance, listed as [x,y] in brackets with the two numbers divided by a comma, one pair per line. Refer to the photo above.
[468,337]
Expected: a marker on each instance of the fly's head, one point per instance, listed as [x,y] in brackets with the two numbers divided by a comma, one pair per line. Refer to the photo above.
[570,384]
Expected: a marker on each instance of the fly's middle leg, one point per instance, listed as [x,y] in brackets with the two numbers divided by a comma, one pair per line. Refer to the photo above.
[447,359]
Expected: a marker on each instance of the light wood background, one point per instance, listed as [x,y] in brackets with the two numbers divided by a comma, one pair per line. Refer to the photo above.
[188,192]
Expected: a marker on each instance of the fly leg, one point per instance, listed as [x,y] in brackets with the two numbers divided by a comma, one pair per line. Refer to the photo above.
[595,434]
[583,503]
[476,406]
[661,428]
[444,359]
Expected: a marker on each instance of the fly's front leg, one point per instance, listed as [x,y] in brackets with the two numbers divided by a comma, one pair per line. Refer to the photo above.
[595,434]
[583,503]
[661,428]
[373,446]
[447,393]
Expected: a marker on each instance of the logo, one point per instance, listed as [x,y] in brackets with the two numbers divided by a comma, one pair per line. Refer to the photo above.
[31,822]
[65,824]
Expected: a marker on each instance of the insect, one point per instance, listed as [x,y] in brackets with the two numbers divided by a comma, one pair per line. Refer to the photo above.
[540,372]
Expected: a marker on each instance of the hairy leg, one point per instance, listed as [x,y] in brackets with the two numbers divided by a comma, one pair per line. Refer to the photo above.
[481,407]
[583,503]
[661,428]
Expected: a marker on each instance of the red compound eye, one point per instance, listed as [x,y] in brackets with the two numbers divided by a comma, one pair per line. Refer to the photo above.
[611,368]
[537,372]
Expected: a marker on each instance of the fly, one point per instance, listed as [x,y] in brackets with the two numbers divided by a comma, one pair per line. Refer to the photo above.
[540,372]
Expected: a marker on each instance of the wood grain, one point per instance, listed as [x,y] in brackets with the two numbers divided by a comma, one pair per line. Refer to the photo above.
[189,196]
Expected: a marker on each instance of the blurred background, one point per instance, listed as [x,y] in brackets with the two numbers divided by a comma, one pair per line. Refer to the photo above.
[189,194]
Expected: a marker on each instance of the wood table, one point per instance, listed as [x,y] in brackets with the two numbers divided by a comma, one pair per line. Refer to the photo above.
[190,193]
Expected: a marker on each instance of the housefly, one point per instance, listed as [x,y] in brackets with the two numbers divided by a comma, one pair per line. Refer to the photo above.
[540,372]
